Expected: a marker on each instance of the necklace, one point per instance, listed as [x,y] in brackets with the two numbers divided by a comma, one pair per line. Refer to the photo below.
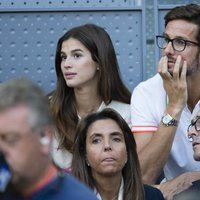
[100,108]
[119,195]
[115,197]
[100,198]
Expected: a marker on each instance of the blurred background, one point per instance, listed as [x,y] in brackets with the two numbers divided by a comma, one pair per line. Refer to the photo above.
[29,30]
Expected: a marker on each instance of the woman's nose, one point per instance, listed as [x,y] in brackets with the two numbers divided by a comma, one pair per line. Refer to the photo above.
[67,63]
[107,146]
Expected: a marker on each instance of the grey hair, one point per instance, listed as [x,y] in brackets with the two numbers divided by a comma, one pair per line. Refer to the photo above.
[24,92]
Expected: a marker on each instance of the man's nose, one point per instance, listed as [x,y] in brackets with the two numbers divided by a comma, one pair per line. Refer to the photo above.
[3,146]
[169,48]
[192,132]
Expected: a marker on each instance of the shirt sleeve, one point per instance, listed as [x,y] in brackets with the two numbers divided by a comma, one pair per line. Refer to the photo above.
[143,110]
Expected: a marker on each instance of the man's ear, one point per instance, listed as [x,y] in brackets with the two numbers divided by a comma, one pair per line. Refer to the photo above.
[46,139]
[199,56]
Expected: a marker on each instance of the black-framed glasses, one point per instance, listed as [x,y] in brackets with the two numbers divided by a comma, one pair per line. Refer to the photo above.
[195,124]
[178,44]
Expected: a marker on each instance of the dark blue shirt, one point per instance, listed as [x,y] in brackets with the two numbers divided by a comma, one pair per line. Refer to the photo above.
[152,193]
[63,187]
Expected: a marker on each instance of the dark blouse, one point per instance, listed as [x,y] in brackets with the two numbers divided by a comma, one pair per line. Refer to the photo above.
[152,193]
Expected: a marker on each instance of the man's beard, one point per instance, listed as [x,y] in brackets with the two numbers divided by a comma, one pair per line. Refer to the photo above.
[195,67]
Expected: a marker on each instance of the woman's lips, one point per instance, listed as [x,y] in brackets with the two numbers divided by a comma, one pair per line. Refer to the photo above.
[109,159]
[70,75]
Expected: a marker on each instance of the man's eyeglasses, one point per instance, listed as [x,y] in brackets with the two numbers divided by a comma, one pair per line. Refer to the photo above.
[178,44]
[195,124]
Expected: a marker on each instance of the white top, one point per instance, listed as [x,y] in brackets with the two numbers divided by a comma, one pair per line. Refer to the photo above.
[63,158]
[148,103]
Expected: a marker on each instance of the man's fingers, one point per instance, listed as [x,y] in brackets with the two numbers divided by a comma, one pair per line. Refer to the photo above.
[163,68]
[177,67]
[184,71]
